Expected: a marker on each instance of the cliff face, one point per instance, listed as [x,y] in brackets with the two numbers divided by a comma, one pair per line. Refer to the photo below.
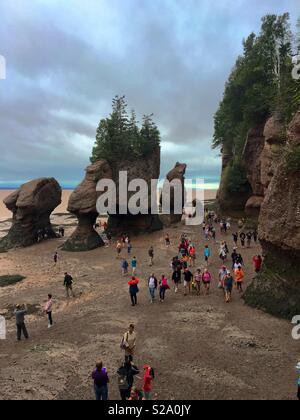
[31,205]
[275,139]
[262,152]
[230,200]
[277,288]
[252,161]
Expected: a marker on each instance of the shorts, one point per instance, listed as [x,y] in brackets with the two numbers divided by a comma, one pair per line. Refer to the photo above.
[186,283]
[206,258]
[228,289]
[206,283]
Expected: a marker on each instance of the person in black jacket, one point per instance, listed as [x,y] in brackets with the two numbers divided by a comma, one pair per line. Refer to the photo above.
[126,374]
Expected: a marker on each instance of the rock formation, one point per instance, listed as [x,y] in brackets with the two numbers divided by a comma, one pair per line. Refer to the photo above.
[177,173]
[275,139]
[228,200]
[31,205]
[252,161]
[277,288]
[82,204]
[147,169]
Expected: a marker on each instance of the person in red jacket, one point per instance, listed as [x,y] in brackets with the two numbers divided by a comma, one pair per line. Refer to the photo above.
[147,381]
[257,261]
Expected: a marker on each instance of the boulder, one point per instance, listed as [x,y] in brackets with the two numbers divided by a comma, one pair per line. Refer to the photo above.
[31,205]
[82,204]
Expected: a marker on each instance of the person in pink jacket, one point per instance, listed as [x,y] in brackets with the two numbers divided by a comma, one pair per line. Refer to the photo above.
[206,279]
[48,310]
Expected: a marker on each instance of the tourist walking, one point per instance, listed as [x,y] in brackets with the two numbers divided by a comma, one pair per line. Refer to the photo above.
[235,237]
[167,240]
[134,265]
[188,277]
[206,280]
[129,247]
[147,382]
[257,261]
[222,275]
[124,266]
[129,343]
[126,374]
[20,312]
[151,256]
[163,287]
[133,290]
[48,310]
[192,255]
[239,278]
[68,283]
[101,380]
[176,277]
[228,286]
[152,284]
[243,239]
[207,254]
[249,239]
[198,280]
[118,249]
[55,258]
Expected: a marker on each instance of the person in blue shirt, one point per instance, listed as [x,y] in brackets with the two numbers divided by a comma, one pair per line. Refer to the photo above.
[206,254]
[124,266]
[134,265]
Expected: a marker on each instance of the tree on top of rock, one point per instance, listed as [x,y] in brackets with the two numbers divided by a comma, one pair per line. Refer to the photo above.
[119,136]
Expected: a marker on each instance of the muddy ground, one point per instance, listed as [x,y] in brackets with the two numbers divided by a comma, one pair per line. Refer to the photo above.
[200,347]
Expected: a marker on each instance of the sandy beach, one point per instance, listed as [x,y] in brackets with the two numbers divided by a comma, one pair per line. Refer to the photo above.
[212,349]
[6,214]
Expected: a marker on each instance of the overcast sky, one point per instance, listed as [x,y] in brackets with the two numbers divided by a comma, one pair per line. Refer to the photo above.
[66,59]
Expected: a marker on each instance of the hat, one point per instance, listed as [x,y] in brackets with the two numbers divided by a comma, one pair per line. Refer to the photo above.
[298,366]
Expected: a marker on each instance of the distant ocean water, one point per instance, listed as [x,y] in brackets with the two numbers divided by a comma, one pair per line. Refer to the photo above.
[199,182]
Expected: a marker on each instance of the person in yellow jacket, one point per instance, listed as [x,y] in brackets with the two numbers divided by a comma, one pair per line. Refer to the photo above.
[239,279]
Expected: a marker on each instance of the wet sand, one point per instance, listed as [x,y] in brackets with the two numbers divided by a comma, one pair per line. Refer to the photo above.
[200,347]
[6,214]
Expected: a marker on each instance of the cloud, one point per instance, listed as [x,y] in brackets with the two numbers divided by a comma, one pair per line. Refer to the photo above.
[66,60]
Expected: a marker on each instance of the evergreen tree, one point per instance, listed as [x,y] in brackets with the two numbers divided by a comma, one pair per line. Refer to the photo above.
[119,136]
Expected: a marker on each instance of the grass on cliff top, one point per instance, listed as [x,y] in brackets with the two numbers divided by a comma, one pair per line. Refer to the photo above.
[9,280]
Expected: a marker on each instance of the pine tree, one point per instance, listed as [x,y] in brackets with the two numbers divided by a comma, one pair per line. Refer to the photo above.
[119,136]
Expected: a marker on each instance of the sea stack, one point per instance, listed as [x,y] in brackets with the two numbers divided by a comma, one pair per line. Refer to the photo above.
[31,205]
[82,204]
